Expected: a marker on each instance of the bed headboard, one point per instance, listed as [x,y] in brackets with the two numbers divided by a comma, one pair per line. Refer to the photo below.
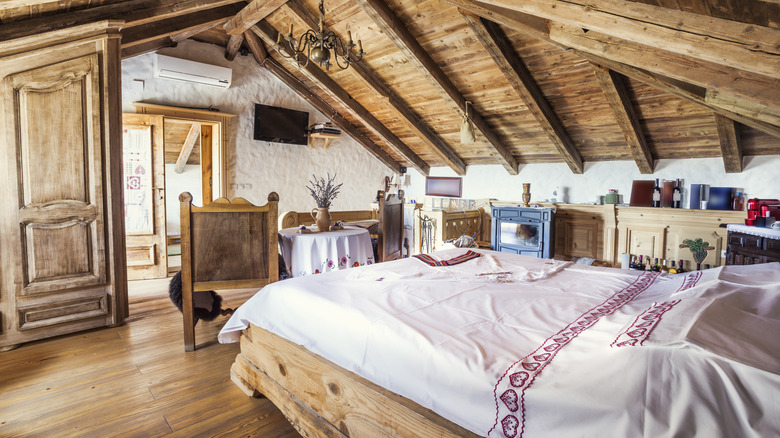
[391,225]
[226,245]
[291,219]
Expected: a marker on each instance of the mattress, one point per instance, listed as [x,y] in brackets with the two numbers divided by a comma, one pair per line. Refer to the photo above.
[509,346]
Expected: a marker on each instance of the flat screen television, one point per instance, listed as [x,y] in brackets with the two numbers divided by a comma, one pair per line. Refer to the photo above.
[443,186]
[280,125]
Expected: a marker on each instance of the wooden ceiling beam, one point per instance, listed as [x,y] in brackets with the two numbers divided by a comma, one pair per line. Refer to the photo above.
[616,92]
[186,149]
[379,87]
[273,66]
[394,29]
[255,11]
[149,46]
[681,90]
[514,69]
[730,145]
[173,26]
[192,31]
[648,68]
[233,45]
[754,95]
[746,46]
[133,12]
[267,33]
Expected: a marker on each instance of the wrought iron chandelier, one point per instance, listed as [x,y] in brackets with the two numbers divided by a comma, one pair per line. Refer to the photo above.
[317,46]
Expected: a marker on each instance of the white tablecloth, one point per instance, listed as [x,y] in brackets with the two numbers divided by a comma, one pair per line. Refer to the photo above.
[316,252]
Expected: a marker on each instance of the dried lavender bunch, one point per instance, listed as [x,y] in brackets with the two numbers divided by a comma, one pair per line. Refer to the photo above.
[324,192]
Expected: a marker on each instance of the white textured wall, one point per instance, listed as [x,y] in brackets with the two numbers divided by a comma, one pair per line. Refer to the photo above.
[757,180]
[258,167]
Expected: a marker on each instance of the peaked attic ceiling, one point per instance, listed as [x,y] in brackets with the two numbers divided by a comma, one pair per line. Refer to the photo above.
[548,81]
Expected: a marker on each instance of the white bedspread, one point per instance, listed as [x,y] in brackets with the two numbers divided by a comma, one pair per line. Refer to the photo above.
[456,340]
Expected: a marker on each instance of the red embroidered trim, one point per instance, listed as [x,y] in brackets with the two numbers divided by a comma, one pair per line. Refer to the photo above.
[644,324]
[523,372]
[427,259]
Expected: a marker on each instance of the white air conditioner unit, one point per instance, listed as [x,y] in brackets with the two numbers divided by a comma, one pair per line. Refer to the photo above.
[167,67]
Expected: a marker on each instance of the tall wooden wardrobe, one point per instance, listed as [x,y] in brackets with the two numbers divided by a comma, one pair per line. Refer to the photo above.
[62,265]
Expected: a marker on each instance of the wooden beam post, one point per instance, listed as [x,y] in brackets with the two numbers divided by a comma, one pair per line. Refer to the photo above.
[255,11]
[616,92]
[233,45]
[186,148]
[514,69]
[266,32]
[395,29]
[261,56]
[374,83]
[730,144]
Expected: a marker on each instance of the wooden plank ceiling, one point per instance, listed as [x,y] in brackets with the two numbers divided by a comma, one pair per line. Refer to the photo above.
[572,81]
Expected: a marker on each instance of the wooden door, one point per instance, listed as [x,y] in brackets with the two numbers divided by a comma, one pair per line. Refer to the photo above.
[144,196]
[62,266]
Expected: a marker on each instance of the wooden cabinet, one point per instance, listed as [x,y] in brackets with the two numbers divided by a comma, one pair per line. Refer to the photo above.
[755,246]
[61,220]
[662,233]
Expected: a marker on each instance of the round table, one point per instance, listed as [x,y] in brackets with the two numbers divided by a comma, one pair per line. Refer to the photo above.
[317,252]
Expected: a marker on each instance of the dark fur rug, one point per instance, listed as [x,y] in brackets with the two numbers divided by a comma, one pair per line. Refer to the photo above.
[174,291]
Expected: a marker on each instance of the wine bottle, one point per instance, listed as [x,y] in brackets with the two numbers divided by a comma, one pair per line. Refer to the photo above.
[680,269]
[677,195]
[657,194]
[656,266]
[672,269]
[632,264]
[648,266]
[640,266]
[663,266]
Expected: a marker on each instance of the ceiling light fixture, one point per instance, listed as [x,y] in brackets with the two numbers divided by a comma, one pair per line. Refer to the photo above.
[317,46]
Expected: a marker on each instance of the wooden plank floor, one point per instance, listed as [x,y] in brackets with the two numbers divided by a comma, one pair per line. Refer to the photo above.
[133,380]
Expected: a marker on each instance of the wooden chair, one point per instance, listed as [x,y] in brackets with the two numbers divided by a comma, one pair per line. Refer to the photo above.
[225,245]
[390,213]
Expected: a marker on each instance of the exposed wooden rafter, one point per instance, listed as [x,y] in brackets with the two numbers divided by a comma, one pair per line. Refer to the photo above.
[729,144]
[374,83]
[616,92]
[200,20]
[233,45]
[261,56]
[149,46]
[181,36]
[133,12]
[496,43]
[267,33]
[642,66]
[394,29]
[186,149]
[255,11]
[745,46]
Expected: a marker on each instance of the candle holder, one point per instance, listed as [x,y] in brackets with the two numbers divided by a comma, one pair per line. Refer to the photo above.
[526,194]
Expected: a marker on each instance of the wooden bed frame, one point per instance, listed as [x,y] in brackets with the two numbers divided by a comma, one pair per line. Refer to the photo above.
[321,399]
[225,245]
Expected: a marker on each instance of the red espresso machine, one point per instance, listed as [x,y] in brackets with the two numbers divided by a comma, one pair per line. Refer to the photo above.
[760,209]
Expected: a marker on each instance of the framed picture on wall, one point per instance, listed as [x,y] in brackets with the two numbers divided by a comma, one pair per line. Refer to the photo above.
[443,186]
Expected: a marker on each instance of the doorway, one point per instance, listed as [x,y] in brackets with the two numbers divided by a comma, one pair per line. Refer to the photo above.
[167,151]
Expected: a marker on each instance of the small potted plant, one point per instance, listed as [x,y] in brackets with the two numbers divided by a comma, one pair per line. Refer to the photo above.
[324,192]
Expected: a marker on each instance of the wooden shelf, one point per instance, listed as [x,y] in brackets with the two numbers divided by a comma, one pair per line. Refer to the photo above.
[325,137]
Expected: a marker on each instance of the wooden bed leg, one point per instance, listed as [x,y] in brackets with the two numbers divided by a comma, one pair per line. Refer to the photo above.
[243,385]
